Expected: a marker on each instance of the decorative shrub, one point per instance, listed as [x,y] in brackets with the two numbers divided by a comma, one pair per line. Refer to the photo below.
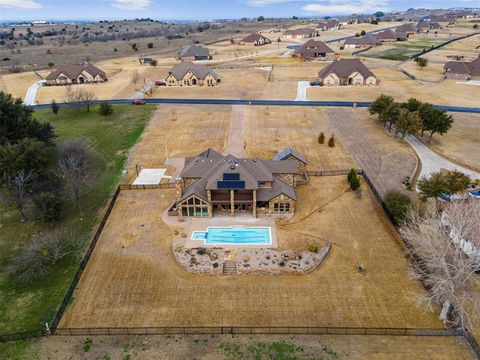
[281,263]
[201,251]
[397,205]
[321,138]
[353,179]
[331,141]
[313,248]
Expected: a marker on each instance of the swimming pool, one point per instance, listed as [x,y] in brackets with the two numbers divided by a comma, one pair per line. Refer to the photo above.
[234,235]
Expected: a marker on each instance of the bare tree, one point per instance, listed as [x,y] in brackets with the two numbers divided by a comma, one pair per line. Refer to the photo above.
[17,187]
[83,97]
[34,259]
[446,267]
[135,77]
[74,167]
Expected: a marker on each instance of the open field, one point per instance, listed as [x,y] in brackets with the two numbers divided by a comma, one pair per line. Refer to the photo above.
[462,143]
[26,307]
[17,84]
[222,347]
[386,160]
[132,278]
[270,129]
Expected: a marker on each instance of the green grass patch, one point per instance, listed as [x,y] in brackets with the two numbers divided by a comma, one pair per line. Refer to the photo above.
[27,307]
[402,50]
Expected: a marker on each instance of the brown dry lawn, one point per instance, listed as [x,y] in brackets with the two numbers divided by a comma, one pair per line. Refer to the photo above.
[132,278]
[184,130]
[462,143]
[207,347]
[17,84]
[270,129]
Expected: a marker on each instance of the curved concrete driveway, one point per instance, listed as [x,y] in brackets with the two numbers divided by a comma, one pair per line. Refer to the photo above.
[31,94]
[432,162]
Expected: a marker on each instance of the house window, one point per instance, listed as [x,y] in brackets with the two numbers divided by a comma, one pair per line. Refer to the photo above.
[194,207]
[281,207]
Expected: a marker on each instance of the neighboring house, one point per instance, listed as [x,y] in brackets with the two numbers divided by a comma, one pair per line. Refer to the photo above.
[362,42]
[315,50]
[462,70]
[76,74]
[189,74]
[329,25]
[255,40]
[346,72]
[193,52]
[389,35]
[423,26]
[407,29]
[443,20]
[301,33]
[464,242]
[212,182]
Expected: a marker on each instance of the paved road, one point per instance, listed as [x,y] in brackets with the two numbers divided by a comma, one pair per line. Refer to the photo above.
[432,162]
[360,104]
[31,94]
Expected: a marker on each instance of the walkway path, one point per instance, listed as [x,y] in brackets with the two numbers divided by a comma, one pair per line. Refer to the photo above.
[302,91]
[236,132]
[140,94]
[31,94]
[432,162]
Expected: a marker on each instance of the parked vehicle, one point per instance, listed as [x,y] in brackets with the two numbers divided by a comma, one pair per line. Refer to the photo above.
[138,102]
[315,83]
[160,83]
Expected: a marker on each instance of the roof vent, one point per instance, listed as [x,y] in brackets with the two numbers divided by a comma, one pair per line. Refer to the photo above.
[232,167]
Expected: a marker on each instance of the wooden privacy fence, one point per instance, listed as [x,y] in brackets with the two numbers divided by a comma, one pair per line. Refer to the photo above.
[332,172]
[286,330]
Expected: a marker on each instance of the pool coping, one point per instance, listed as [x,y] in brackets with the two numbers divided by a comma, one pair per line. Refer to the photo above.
[269,244]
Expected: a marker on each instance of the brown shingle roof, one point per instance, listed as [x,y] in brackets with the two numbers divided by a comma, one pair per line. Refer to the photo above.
[471,68]
[200,71]
[194,50]
[252,38]
[405,28]
[343,68]
[389,34]
[363,40]
[311,47]
[72,71]
[301,31]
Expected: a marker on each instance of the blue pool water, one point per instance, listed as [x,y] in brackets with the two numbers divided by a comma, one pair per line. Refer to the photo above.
[234,235]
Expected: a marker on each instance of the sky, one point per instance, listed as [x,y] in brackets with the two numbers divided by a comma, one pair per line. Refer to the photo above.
[204,9]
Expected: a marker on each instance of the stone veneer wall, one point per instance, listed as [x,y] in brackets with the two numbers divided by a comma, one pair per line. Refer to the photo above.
[286,199]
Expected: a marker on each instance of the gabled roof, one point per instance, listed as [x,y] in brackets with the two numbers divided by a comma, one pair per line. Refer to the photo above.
[193,50]
[313,46]
[72,71]
[343,68]
[278,187]
[406,28]
[471,68]
[368,39]
[423,25]
[300,31]
[252,38]
[389,34]
[287,152]
[200,71]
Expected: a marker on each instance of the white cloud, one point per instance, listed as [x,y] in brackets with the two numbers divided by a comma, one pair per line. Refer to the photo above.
[20,4]
[131,4]
[345,7]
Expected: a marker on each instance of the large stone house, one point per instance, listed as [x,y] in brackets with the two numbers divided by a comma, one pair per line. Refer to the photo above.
[255,40]
[211,182]
[315,50]
[366,41]
[193,52]
[462,70]
[189,74]
[76,74]
[300,33]
[346,72]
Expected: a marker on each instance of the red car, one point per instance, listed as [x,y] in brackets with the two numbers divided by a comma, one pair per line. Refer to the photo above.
[160,83]
[138,102]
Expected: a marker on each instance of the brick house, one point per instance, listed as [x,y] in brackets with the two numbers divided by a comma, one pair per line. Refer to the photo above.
[366,41]
[189,74]
[255,40]
[407,29]
[462,70]
[300,33]
[315,50]
[345,72]
[389,35]
[76,74]
[212,182]
[193,52]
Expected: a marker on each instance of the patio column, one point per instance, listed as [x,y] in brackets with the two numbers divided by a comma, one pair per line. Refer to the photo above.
[209,205]
[232,203]
[254,205]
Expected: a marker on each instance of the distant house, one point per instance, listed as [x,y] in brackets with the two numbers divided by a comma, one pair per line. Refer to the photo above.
[189,74]
[423,26]
[407,29]
[362,42]
[315,50]
[329,25]
[255,40]
[76,74]
[346,72]
[193,52]
[442,20]
[462,70]
[300,33]
[389,35]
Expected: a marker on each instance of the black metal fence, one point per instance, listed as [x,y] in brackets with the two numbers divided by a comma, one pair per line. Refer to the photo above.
[332,172]
[286,330]
[21,335]
[473,343]
[83,263]
[146,187]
